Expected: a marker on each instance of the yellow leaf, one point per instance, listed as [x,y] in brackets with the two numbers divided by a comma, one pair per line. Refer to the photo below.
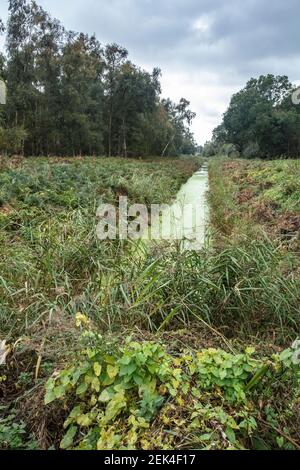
[84,420]
[97,369]
[93,400]
[104,397]
[175,384]
[81,320]
[112,371]
[145,444]
[180,401]
[96,384]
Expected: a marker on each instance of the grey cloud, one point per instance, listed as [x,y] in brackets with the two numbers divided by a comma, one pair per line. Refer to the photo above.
[242,38]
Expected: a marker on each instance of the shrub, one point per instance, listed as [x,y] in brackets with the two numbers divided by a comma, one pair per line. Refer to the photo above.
[119,397]
[251,150]
[11,140]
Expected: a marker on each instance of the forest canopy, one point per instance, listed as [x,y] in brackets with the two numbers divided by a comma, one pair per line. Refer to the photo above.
[67,94]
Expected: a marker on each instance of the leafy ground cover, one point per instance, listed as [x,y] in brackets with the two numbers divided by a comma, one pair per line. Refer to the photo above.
[210,359]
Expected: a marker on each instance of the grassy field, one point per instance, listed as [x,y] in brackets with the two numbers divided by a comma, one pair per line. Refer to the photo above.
[167,350]
[50,257]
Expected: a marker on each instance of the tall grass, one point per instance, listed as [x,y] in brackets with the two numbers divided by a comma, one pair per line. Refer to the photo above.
[243,291]
[50,258]
[52,266]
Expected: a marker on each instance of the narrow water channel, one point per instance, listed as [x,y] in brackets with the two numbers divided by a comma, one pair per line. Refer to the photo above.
[186,219]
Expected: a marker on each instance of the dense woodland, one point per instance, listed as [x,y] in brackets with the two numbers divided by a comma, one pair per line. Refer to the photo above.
[261,121]
[67,94]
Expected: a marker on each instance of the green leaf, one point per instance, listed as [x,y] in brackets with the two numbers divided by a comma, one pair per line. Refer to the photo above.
[81,389]
[206,437]
[59,391]
[128,369]
[73,416]
[138,379]
[68,439]
[104,397]
[125,360]
[280,442]
[285,355]
[49,397]
[230,435]
[250,350]
[84,420]
[257,377]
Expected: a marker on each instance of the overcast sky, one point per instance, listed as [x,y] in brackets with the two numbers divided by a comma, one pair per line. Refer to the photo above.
[207,49]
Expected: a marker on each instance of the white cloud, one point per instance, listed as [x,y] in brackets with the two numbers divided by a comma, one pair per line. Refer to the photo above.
[209,97]
[203,23]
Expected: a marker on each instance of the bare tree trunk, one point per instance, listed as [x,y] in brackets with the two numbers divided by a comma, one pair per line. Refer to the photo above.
[109,134]
[167,146]
[124,139]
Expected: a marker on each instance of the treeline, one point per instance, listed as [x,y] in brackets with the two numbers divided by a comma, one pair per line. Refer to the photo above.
[262,121]
[69,95]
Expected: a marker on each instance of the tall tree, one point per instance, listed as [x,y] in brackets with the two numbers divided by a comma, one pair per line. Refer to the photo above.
[72,97]
[2,73]
[136,95]
[115,57]
[82,95]
[180,116]
[260,119]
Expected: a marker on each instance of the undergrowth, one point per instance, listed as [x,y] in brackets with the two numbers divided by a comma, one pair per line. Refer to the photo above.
[207,363]
[209,399]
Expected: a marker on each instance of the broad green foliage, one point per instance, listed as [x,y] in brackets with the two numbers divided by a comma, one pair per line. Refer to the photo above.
[261,120]
[117,393]
[108,385]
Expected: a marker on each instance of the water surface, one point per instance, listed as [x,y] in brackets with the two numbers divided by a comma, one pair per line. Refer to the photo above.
[187,217]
